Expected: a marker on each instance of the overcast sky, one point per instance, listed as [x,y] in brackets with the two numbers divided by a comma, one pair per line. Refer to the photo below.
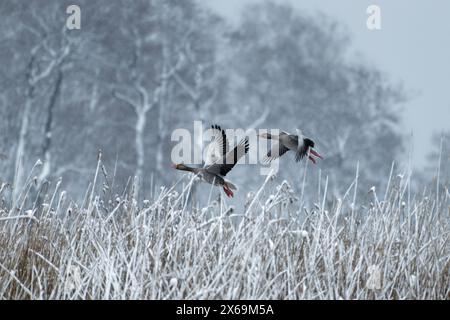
[413,46]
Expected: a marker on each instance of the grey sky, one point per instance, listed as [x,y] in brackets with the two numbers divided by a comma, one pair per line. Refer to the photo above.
[413,46]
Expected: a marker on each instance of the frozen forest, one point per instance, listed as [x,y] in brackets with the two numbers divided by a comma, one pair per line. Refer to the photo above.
[91,209]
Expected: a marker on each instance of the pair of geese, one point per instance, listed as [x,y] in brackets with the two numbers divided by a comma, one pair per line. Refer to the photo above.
[219,161]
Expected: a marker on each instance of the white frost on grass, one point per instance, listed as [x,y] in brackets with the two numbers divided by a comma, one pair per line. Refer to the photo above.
[170,249]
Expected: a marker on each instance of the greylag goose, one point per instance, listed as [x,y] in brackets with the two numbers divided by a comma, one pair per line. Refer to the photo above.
[218,161]
[298,143]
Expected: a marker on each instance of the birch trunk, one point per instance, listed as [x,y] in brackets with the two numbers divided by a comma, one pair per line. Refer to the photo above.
[19,162]
[46,149]
[139,142]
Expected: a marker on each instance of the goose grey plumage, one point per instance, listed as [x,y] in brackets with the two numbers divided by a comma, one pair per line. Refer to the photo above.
[298,143]
[219,161]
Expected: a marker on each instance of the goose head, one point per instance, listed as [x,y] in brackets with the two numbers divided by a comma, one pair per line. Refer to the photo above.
[180,166]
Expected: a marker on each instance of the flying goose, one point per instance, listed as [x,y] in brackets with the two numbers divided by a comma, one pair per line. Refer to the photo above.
[298,143]
[218,161]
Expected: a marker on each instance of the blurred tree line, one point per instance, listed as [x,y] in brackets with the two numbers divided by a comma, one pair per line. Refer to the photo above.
[139,69]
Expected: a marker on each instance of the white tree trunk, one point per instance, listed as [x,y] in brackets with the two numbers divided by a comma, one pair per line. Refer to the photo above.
[20,151]
[46,149]
[162,106]
[139,142]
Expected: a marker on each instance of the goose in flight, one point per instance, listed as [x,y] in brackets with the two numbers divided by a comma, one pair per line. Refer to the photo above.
[298,143]
[218,161]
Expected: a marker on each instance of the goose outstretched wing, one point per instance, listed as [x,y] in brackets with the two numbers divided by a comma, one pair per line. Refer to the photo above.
[224,165]
[276,151]
[218,148]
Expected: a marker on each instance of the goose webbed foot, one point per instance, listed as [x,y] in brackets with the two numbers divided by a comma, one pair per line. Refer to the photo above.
[228,192]
[314,153]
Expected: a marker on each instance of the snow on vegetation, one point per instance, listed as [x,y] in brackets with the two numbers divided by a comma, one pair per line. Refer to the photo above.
[115,247]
